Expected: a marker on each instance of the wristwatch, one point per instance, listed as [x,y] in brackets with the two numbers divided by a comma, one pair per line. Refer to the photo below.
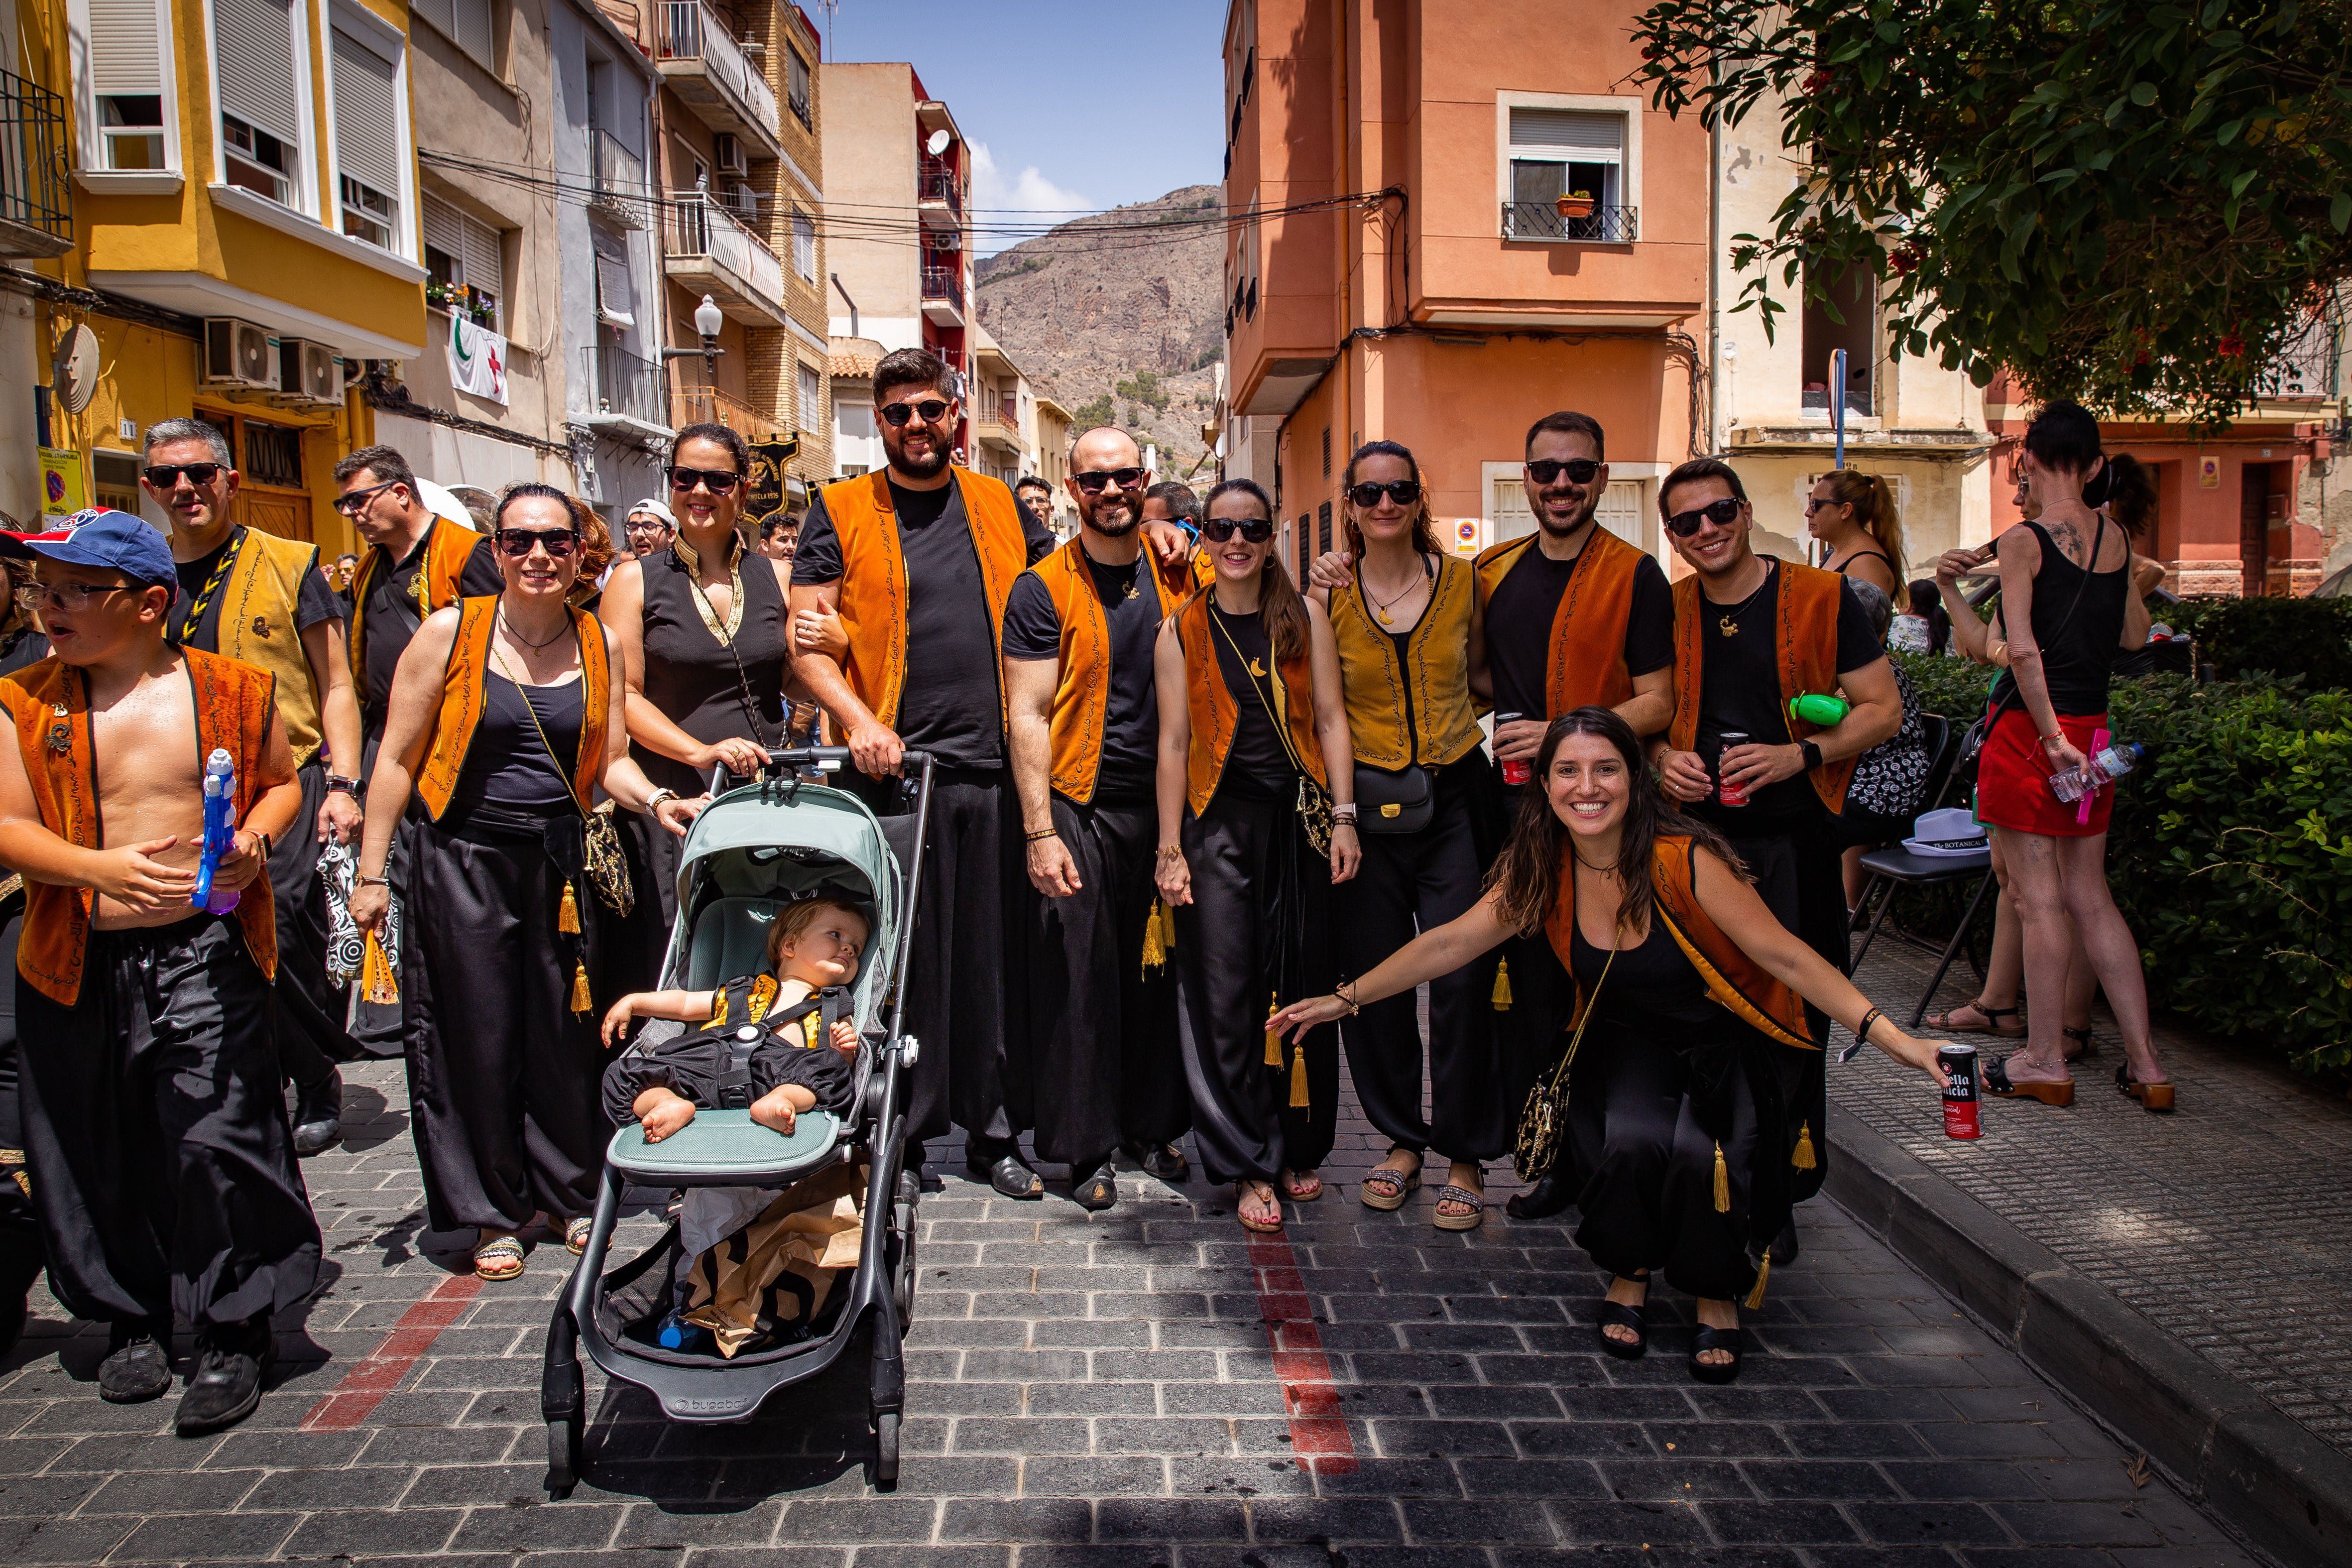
[338,784]
[653,800]
[1813,754]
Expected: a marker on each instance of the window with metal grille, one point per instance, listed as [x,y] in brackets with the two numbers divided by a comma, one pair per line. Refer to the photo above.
[369,143]
[125,83]
[1306,547]
[261,123]
[273,455]
[1323,526]
[1558,152]
[1327,457]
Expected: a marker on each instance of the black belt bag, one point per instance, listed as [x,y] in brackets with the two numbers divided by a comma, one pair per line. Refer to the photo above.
[1400,800]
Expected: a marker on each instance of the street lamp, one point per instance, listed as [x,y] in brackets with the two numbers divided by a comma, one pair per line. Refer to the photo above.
[708,321]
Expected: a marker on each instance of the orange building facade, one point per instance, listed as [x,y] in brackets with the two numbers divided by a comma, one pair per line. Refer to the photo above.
[1402,264]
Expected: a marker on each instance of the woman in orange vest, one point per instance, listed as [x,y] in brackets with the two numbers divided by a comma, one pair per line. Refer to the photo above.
[1250,715]
[1687,989]
[504,719]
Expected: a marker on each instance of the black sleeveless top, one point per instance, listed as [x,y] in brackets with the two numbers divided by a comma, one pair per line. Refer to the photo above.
[690,676]
[1653,990]
[2078,651]
[1256,765]
[510,787]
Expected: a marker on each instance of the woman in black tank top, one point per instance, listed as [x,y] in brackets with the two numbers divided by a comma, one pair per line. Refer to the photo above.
[1853,514]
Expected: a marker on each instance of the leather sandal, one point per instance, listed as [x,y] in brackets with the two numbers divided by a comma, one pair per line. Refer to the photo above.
[2156,1097]
[1707,1339]
[1622,1316]
[1301,1186]
[1449,1193]
[1009,1176]
[1243,1189]
[1385,1187]
[1997,1081]
[2084,1045]
[1942,1022]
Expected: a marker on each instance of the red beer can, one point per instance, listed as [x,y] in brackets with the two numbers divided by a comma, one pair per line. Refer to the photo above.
[1514,772]
[1963,1099]
[1725,792]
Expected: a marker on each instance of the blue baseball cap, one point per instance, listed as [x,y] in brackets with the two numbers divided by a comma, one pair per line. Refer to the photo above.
[104,537]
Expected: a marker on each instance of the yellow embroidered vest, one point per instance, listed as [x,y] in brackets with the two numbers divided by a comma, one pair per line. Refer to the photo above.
[1444,714]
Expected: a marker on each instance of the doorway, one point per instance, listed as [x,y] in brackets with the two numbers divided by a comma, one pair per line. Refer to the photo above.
[2257,509]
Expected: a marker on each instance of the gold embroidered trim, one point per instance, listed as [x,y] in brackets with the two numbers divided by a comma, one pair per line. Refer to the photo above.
[693,562]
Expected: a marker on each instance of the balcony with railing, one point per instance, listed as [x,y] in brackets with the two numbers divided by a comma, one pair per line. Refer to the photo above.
[943,293]
[698,404]
[1544,222]
[35,205]
[710,252]
[631,394]
[702,63]
[939,192]
[620,194]
[997,423]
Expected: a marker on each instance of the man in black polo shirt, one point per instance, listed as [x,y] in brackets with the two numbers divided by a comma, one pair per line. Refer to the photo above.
[379,495]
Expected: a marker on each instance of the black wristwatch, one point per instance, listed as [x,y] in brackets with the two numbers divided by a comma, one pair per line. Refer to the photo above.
[338,784]
[1811,753]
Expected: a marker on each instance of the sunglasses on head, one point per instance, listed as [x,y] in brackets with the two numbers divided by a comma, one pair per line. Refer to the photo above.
[719,481]
[516,542]
[1579,470]
[929,411]
[166,476]
[1404,492]
[1722,513]
[1125,478]
[1256,530]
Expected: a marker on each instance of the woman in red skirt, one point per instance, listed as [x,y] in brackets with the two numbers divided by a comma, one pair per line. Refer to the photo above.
[2065,581]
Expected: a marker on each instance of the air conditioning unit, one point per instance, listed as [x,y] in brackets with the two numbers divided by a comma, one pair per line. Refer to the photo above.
[948,239]
[311,374]
[238,353]
[729,149]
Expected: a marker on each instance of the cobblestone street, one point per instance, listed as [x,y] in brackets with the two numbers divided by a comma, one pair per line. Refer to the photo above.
[1112,1390]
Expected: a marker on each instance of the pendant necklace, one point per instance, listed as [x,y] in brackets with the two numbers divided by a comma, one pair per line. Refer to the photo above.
[1727,624]
[1380,605]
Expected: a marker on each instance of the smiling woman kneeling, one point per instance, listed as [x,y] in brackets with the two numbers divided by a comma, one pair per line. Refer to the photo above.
[1686,989]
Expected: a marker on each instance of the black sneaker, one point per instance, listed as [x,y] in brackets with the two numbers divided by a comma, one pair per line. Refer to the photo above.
[318,1115]
[227,1388]
[138,1365]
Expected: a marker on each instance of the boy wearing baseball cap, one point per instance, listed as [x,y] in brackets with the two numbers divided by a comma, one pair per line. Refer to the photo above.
[156,1138]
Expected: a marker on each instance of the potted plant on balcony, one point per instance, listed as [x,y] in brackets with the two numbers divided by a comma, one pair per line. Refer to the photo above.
[1575,204]
[439,293]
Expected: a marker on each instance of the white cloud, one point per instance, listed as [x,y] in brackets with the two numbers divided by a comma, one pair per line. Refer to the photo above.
[1027,192]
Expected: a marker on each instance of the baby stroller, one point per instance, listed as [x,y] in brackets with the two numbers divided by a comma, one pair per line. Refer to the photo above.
[757,846]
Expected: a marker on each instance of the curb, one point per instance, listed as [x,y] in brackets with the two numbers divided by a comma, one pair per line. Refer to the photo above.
[2225,1445]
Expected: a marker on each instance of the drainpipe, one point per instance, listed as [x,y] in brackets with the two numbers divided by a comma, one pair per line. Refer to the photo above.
[1714,296]
[850,302]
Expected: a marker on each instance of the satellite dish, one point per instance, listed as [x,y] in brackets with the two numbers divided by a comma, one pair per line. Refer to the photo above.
[75,374]
[937,142]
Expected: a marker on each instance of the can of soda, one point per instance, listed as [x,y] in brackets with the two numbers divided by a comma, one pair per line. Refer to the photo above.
[1519,772]
[1725,792]
[1962,1099]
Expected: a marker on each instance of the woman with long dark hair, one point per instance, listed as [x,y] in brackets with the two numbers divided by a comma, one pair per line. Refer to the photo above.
[1252,741]
[1687,991]
[504,719]
[1412,643]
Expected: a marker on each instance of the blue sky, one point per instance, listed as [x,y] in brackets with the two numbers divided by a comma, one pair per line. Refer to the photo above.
[1080,106]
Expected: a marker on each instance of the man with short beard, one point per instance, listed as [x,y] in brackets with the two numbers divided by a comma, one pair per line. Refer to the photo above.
[1101,1069]
[1036,498]
[917,560]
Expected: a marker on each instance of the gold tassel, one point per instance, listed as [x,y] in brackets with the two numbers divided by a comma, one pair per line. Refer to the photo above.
[377,982]
[1273,1040]
[1298,1078]
[1722,1183]
[1763,1272]
[567,918]
[580,1001]
[1803,1156]
[1155,941]
[1502,986]
[1168,926]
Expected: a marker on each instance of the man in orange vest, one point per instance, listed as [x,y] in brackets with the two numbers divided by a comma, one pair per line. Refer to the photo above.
[156,1138]
[1102,1069]
[917,561]
[417,562]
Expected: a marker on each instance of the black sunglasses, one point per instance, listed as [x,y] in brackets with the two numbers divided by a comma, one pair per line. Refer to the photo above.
[1256,530]
[1579,470]
[1125,478]
[166,476]
[351,503]
[717,480]
[1722,513]
[927,411]
[1404,492]
[515,542]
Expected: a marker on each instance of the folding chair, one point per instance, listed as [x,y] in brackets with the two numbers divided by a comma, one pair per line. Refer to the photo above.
[1896,867]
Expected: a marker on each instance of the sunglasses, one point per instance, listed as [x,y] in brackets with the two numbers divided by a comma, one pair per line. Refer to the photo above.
[1815,503]
[1404,492]
[719,481]
[927,411]
[166,476]
[1579,470]
[351,503]
[1722,513]
[1256,530]
[515,542]
[1125,478]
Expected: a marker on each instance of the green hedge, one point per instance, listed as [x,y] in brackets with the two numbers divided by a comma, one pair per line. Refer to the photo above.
[2309,637]
[2231,852]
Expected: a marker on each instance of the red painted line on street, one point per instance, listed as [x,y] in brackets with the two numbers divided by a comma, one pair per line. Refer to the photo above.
[1318,1431]
[384,1369]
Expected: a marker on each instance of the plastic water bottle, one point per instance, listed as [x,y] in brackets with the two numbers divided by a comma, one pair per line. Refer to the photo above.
[2108,764]
[678,1334]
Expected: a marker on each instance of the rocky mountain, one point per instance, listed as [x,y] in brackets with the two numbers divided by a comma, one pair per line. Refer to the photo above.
[1119,317]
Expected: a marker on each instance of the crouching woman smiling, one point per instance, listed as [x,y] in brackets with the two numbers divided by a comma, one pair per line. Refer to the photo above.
[1686,989]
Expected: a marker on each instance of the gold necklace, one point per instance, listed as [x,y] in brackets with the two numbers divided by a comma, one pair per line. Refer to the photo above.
[1727,624]
[1380,605]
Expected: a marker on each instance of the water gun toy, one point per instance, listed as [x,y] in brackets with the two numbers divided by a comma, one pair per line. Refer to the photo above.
[1815,709]
[220,833]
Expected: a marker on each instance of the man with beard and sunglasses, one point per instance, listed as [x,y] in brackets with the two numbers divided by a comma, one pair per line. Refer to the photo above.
[917,560]
[1101,1070]
[1752,634]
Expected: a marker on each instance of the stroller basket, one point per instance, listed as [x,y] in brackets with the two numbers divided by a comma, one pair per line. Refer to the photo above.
[632,1301]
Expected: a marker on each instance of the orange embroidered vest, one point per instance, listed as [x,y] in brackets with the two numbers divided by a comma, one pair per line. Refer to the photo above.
[874,590]
[1082,700]
[1587,663]
[235,704]
[1733,979]
[1213,713]
[1804,635]
[463,682]
[447,548]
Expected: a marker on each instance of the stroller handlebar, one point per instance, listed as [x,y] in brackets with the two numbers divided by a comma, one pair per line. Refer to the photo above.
[913,763]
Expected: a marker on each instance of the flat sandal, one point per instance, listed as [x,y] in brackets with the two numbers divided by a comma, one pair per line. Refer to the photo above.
[500,1258]
[1470,1221]
[1263,1227]
[1385,1187]
[1942,1022]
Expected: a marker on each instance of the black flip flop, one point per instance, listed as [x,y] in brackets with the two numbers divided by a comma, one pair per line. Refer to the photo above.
[1707,1339]
[1009,1176]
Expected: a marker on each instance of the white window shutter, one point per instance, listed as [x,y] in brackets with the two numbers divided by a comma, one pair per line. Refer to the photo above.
[1590,137]
[126,48]
[436,11]
[367,114]
[485,266]
[804,245]
[255,71]
[473,32]
[613,290]
[812,398]
[443,226]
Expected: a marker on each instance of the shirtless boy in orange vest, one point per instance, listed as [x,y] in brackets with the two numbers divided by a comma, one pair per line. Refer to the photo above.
[162,1166]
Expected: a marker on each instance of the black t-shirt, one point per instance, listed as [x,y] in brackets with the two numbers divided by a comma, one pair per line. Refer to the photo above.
[1739,689]
[1130,743]
[391,619]
[950,705]
[314,602]
[1257,765]
[1519,619]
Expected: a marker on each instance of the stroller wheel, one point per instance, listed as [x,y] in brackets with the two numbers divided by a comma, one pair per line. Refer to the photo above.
[563,1457]
[884,1470]
[902,1284]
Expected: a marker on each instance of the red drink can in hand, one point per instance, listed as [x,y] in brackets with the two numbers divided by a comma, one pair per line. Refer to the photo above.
[1514,772]
[1725,792]
[1963,1099]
